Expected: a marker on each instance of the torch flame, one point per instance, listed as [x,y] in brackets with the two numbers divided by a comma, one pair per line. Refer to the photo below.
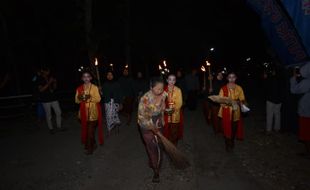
[208,63]
[96,61]
[159,67]
[164,62]
[203,69]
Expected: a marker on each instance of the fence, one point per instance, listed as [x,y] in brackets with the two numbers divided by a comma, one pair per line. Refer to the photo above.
[12,107]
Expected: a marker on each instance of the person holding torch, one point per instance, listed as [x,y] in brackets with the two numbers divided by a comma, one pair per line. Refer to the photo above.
[90,114]
[173,129]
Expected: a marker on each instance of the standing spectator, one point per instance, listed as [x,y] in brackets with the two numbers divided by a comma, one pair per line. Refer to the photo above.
[36,97]
[274,97]
[127,86]
[300,84]
[192,84]
[47,87]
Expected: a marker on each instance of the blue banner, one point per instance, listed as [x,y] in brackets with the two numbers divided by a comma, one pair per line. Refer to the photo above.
[299,11]
[280,31]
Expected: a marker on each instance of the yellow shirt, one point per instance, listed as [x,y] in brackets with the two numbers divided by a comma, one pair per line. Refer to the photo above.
[235,94]
[174,99]
[91,104]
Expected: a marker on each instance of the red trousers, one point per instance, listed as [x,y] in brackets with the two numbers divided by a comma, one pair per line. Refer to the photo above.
[304,128]
[153,149]
[216,122]
[90,144]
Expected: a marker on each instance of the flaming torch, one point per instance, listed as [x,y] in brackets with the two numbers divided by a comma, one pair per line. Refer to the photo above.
[98,76]
[111,66]
[203,69]
[209,72]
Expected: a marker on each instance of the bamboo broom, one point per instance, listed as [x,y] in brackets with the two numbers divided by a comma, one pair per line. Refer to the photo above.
[177,157]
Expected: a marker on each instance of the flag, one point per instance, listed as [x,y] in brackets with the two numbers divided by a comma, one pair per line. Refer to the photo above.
[299,11]
[280,31]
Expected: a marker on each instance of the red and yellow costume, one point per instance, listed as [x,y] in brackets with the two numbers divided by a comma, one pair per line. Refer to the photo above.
[173,128]
[229,116]
[90,114]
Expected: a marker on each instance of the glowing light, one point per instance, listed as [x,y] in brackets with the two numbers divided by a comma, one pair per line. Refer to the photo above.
[111,64]
[96,61]
[266,64]
[159,67]
[126,66]
[208,63]
[248,59]
[212,49]
[164,62]
[203,69]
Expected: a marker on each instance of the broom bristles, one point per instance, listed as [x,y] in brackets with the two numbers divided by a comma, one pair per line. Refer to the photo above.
[177,157]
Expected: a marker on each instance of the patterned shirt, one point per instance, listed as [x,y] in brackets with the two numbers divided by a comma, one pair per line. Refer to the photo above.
[148,110]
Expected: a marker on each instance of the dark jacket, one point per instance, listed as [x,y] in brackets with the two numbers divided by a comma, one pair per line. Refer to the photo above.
[49,94]
[274,87]
[141,86]
[127,86]
[111,90]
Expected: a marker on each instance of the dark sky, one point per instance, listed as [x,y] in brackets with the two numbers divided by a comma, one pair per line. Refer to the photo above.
[185,31]
[51,33]
[182,31]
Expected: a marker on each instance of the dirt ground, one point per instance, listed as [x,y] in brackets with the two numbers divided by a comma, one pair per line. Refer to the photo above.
[33,159]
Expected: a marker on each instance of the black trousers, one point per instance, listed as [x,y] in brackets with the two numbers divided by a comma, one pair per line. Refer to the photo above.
[192,100]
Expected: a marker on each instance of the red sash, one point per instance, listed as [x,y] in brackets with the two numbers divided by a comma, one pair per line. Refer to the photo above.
[83,115]
[166,131]
[227,122]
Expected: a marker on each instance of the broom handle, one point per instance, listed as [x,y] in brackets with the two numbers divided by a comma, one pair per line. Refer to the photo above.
[161,136]
[158,150]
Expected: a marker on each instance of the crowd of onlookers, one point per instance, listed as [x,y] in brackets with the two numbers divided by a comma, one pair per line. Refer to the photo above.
[289,108]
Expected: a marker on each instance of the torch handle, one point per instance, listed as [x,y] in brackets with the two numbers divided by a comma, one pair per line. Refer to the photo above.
[204,80]
[98,78]
[210,81]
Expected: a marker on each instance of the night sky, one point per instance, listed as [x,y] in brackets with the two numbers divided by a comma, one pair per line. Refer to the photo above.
[52,33]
